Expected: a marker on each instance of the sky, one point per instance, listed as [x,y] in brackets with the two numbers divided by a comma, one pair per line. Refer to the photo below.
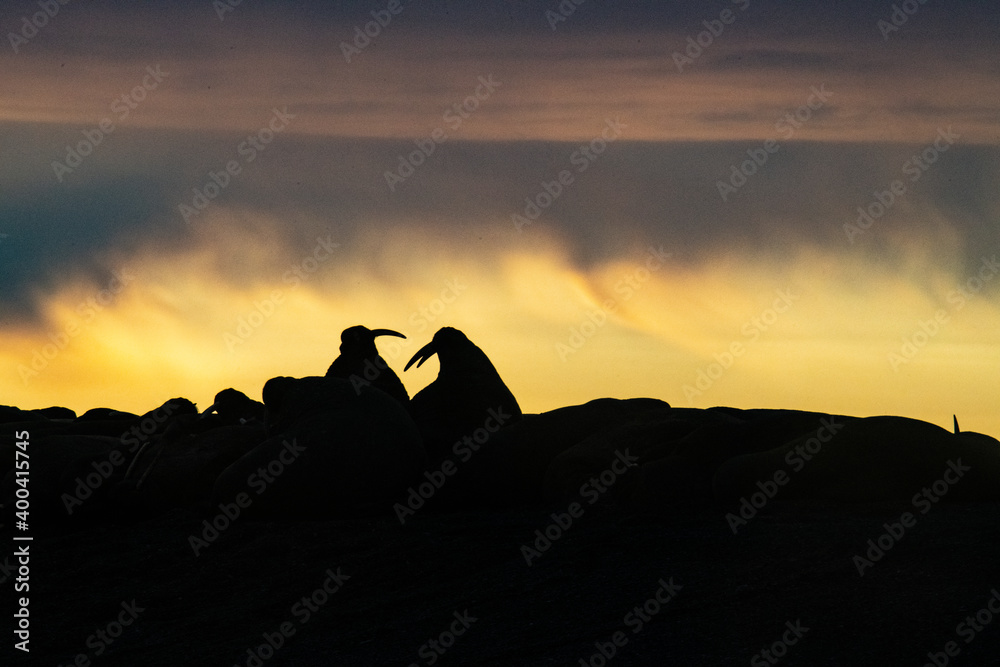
[753,204]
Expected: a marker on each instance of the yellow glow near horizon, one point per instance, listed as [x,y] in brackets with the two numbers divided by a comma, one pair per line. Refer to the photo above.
[183,326]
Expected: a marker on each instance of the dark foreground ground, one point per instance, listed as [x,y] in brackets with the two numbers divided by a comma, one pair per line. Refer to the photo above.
[791,564]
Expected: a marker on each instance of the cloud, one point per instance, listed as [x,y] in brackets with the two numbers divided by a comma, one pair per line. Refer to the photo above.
[130,191]
[785,60]
[555,85]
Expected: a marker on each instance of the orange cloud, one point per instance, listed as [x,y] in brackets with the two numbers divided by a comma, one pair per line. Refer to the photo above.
[551,87]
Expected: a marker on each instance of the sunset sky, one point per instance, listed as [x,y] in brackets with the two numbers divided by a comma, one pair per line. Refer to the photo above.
[658,199]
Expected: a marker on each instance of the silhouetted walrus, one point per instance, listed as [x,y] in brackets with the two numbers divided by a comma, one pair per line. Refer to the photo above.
[360,364]
[468,394]
[57,412]
[234,407]
[332,450]
[871,459]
